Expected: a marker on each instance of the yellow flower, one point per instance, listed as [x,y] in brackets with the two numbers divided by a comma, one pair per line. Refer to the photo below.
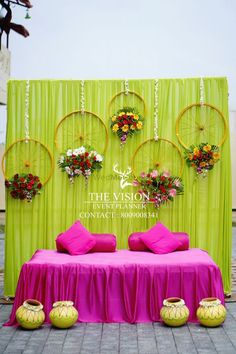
[136,117]
[139,125]
[121,114]
[115,127]
[207,148]
[132,127]
[190,157]
[216,156]
[202,164]
[113,118]
[196,151]
[129,114]
[211,162]
[125,128]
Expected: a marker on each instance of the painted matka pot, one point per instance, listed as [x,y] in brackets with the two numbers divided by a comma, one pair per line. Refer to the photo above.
[211,313]
[174,313]
[30,315]
[63,314]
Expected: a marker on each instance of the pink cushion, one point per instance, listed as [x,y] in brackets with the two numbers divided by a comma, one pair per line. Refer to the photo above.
[58,243]
[160,240]
[136,244]
[76,240]
[104,243]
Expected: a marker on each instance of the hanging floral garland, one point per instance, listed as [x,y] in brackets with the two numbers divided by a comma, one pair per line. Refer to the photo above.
[158,188]
[202,157]
[82,161]
[25,185]
[126,122]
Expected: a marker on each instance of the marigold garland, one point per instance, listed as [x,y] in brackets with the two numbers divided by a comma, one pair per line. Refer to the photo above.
[24,186]
[126,122]
[202,157]
[158,188]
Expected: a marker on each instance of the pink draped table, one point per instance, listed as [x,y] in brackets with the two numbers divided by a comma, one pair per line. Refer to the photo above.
[123,286]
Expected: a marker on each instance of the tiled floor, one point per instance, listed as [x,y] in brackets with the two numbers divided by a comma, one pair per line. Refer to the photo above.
[143,338]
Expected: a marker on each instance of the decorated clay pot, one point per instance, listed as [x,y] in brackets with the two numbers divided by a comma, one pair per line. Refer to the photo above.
[174,313]
[211,313]
[63,314]
[30,315]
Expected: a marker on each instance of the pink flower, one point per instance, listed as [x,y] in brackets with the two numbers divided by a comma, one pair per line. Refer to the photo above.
[135,183]
[166,174]
[143,174]
[177,183]
[154,174]
[172,192]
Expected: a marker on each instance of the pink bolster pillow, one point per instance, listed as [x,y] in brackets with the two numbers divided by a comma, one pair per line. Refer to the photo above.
[104,243]
[136,244]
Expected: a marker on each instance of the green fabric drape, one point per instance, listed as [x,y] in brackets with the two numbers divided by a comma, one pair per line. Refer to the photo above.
[204,211]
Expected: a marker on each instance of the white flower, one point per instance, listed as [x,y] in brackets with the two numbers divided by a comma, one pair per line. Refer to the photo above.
[76,152]
[87,172]
[68,170]
[62,159]
[81,150]
[93,153]
[78,172]
[69,152]
[99,158]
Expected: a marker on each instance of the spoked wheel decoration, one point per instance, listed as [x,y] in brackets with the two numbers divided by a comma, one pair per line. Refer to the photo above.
[157,166]
[22,164]
[201,129]
[27,164]
[126,110]
[81,136]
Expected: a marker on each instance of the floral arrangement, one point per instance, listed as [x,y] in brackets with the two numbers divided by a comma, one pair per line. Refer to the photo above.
[202,157]
[81,161]
[24,186]
[158,188]
[126,122]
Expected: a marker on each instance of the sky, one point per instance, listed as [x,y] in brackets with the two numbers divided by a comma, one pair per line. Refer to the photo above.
[90,39]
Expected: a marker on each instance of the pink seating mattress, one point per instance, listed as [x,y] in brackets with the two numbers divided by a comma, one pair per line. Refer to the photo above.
[122,286]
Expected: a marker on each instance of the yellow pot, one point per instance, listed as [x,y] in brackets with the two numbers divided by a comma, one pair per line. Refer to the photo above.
[174,313]
[211,313]
[63,314]
[30,315]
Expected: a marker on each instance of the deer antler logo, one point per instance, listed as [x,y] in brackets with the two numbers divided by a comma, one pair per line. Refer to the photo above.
[124,176]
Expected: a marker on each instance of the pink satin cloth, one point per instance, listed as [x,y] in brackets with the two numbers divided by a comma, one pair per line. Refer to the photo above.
[122,286]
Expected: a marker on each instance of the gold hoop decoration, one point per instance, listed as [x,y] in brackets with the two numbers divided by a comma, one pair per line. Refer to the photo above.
[151,157]
[124,104]
[203,126]
[27,156]
[75,131]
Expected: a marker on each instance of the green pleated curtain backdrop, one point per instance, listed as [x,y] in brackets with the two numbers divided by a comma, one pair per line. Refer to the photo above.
[204,211]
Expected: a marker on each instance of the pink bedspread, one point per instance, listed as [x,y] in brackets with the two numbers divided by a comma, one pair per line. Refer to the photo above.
[124,286]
